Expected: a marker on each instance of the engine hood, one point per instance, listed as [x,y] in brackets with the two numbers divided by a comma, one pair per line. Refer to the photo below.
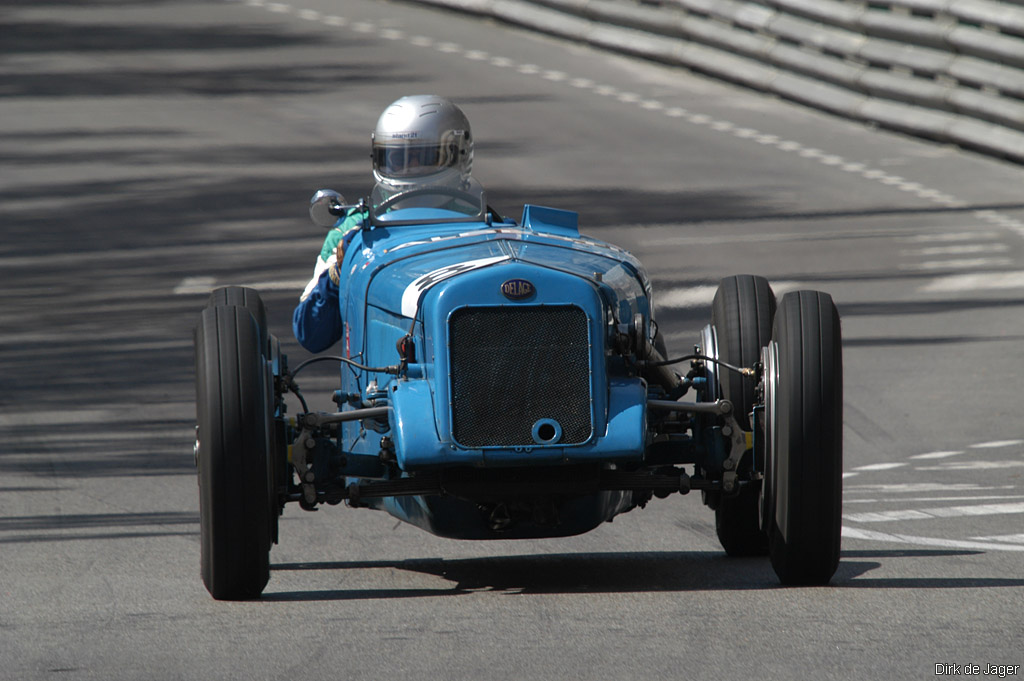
[404,273]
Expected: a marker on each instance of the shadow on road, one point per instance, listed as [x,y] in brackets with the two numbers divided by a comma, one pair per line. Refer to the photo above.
[678,571]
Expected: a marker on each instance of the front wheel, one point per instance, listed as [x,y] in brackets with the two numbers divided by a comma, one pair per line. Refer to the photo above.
[802,498]
[232,451]
[741,316]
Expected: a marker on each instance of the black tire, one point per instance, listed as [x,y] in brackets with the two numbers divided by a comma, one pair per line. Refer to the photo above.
[248,298]
[804,439]
[233,436]
[742,314]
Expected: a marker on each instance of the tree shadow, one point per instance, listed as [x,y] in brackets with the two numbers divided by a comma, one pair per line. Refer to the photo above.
[36,37]
[96,527]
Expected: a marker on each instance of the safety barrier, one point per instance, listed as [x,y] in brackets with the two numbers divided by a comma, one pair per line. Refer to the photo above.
[947,70]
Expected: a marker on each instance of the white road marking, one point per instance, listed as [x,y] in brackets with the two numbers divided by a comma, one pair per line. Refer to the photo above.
[904,500]
[203,285]
[886,516]
[996,444]
[879,466]
[958,264]
[919,487]
[972,466]
[939,512]
[694,296]
[961,249]
[950,237]
[857,533]
[194,285]
[993,281]
[1009,538]
[281,285]
[936,455]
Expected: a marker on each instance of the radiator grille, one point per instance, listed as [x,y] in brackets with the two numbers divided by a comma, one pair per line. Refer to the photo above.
[513,366]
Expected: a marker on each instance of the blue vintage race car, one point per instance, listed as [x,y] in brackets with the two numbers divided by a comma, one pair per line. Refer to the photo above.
[505,379]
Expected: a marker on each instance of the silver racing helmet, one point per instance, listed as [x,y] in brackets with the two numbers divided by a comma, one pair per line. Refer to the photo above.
[422,140]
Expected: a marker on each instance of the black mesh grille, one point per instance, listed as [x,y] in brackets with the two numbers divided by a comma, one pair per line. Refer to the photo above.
[512,366]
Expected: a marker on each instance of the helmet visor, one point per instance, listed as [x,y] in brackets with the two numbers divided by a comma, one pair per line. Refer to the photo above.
[413,160]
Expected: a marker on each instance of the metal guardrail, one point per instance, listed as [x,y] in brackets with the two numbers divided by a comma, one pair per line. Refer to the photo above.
[947,70]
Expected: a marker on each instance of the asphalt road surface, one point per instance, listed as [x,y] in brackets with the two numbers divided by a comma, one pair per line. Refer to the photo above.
[153,149]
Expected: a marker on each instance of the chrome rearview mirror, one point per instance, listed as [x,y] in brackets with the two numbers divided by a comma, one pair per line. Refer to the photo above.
[326,207]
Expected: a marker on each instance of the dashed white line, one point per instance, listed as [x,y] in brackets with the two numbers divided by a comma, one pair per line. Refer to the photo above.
[203,285]
[920,487]
[938,512]
[973,466]
[857,533]
[975,282]
[936,455]
[1010,538]
[961,249]
[904,500]
[997,444]
[194,285]
[879,467]
[974,235]
[958,264]
[694,296]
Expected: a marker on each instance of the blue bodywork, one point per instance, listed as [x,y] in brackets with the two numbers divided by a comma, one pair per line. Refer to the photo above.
[512,384]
